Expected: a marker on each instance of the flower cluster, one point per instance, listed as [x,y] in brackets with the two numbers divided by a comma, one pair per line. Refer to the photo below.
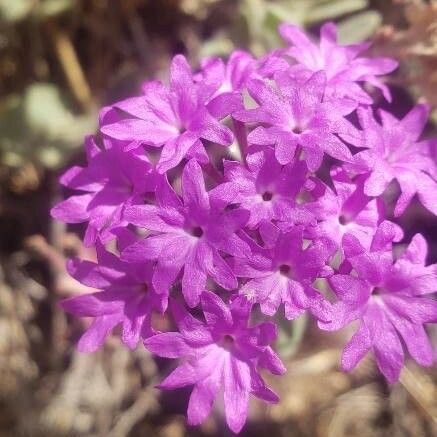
[204,199]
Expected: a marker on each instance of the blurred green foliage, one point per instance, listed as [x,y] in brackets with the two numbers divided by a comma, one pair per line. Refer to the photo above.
[38,117]
[17,10]
[262,17]
[256,24]
[38,125]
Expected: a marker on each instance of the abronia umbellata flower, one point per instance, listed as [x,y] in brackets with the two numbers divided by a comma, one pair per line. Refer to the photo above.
[176,118]
[393,151]
[302,208]
[190,233]
[126,296]
[222,353]
[343,68]
[390,301]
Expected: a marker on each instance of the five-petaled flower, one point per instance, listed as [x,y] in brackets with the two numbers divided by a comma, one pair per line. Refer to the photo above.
[389,300]
[192,233]
[126,296]
[222,353]
[176,118]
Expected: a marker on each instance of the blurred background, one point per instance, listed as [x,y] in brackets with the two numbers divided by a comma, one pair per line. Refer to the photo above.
[60,60]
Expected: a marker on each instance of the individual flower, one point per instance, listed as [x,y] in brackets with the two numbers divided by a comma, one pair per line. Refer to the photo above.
[230,76]
[341,64]
[389,300]
[175,118]
[112,180]
[221,353]
[283,272]
[193,233]
[294,117]
[272,63]
[345,210]
[126,296]
[267,189]
[393,151]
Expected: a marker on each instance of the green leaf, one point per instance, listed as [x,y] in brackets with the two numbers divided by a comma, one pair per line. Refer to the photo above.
[11,119]
[332,9]
[45,111]
[15,10]
[38,126]
[218,45]
[262,17]
[285,12]
[254,12]
[50,8]
[47,115]
[359,27]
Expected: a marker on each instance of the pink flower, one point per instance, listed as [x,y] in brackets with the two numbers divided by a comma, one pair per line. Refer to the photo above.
[297,118]
[345,210]
[112,180]
[267,189]
[394,152]
[343,68]
[303,206]
[193,233]
[222,353]
[231,76]
[176,118]
[283,272]
[388,299]
[126,297]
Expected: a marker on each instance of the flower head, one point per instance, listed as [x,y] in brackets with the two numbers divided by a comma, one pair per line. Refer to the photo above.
[295,218]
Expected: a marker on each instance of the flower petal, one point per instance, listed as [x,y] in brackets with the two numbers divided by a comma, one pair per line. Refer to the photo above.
[182,376]
[167,345]
[356,349]
[237,385]
[96,334]
[216,312]
[202,397]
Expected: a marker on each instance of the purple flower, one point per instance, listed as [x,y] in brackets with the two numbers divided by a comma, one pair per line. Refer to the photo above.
[389,301]
[227,81]
[193,233]
[222,353]
[297,118]
[175,118]
[394,152]
[341,64]
[272,229]
[112,180]
[345,210]
[284,272]
[267,189]
[127,297]
[231,76]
